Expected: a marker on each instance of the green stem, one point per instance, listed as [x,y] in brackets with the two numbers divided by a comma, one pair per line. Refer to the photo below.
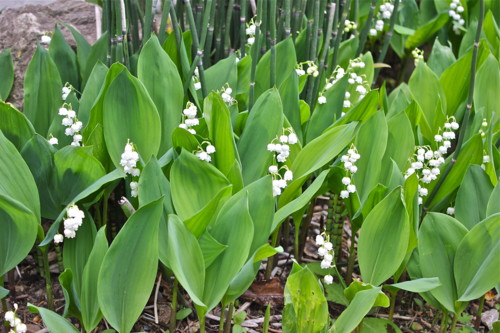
[366,28]
[388,37]
[229,317]
[255,54]
[444,322]
[305,229]
[340,33]
[267,317]
[313,56]
[454,322]
[164,18]
[210,36]
[341,279]
[202,324]
[479,312]
[148,20]
[468,108]
[105,209]
[393,304]
[173,319]
[287,18]
[272,29]
[352,257]
[227,28]
[59,258]
[48,283]
[243,35]
[270,260]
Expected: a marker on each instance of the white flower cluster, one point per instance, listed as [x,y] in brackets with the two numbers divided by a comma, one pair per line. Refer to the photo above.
[455,13]
[73,125]
[66,90]
[486,157]
[189,118]
[204,154]
[326,252]
[53,140]
[426,162]
[225,93]
[450,210]
[15,323]
[72,222]
[386,10]
[196,79]
[384,13]
[45,40]
[418,55]
[250,31]
[283,151]
[312,69]
[349,161]
[350,25]
[128,161]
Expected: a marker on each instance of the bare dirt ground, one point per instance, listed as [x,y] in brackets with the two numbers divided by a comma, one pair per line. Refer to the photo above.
[22,27]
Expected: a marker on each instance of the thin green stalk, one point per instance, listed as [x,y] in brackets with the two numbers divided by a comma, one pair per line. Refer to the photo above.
[264,29]
[39,261]
[393,304]
[255,55]
[352,257]
[454,322]
[355,11]
[479,312]
[105,209]
[326,46]
[468,108]
[148,20]
[164,18]
[313,55]
[207,43]
[243,34]
[366,28]
[173,319]
[227,27]
[223,317]
[272,30]
[229,317]
[202,324]
[48,283]
[270,260]
[267,317]
[59,258]
[387,38]
[205,24]
[198,13]
[340,33]
[219,35]
[287,18]
[444,322]
[306,222]
[341,279]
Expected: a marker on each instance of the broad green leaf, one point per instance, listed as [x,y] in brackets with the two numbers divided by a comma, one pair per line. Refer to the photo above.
[285,52]
[96,186]
[42,91]
[493,206]
[97,53]
[300,201]
[223,72]
[131,263]
[16,181]
[75,170]
[140,123]
[234,228]
[305,294]
[77,250]
[357,286]
[3,292]
[325,114]
[91,313]
[350,318]
[477,261]
[210,248]
[53,321]
[91,91]
[472,197]
[186,259]
[470,154]
[15,126]
[418,285]
[71,301]
[194,183]
[439,237]
[335,294]
[378,325]
[259,131]
[82,47]
[441,58]
[160,77]
[19,230]
[362,111]
[487,89]
[6,73]
[182,138]
[400,140]
[425,32]
[383,239]
[289,92]
[491,31]
[65,58]
[371,143]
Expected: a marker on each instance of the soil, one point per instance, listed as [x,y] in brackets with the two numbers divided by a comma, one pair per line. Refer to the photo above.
[21,28]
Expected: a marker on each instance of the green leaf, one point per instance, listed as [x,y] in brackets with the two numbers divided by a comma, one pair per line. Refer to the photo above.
[159,75]
[477,261]
[140,124]
[362,111]
[439,237]
[487,89]
[400,140]
[15,126]
[371,143]
[378,325]
[233,228]
[131,263]
[441,57]
[19,230]
[3,292]
[335,294]
[350,318]
[42,91]
[91,91]
[97,53]
[71,301]
[82,47]
[224,71]
[186,259]
[90,310]
[183,313]
[285,52]
[6,73]
[493,206]
[425,32]
[418,285]
[472,197]
[259,131]
[53,321]
[357,286]
[303,291]
[210,248]
[194,183]
[289,93]
[65,58]
[383,239]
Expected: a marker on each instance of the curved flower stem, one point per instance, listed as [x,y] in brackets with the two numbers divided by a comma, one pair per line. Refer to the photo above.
[468,108]
[387,39]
